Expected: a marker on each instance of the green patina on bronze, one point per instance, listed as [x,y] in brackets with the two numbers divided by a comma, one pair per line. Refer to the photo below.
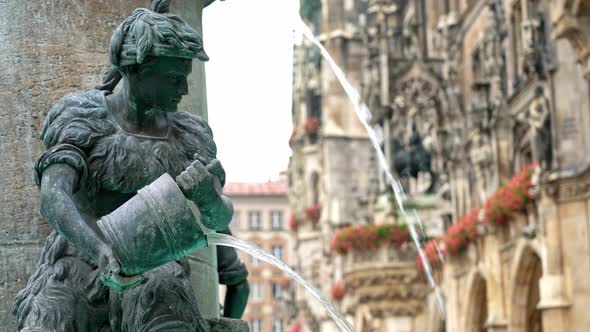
[120,164]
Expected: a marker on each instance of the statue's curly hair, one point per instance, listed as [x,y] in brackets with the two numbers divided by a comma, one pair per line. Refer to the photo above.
[146,30]
[141,31]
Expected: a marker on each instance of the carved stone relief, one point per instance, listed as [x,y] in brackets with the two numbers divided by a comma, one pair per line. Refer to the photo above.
[416,140]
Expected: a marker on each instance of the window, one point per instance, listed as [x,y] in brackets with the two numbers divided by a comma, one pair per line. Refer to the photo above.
[276,220]
[277,325]
[256,325]
[254,220]
[235,220]
[256,291]
[477,64]
[254,261]
[277,291]
[315,187]
[516,20]
[277,251]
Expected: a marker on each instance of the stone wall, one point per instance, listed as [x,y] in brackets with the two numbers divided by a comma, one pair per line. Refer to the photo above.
[348,170]
[48,48]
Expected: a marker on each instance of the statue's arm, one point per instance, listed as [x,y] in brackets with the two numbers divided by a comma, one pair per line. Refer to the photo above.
[216,213]
[57,207]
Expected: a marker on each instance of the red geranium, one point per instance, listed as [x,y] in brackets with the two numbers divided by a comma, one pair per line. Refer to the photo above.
[313,213]
[338,290]
[500,208]
[295,327]
[460,234]
[433,254]
[311,125]
[292,223]
[369,237]
[511,198]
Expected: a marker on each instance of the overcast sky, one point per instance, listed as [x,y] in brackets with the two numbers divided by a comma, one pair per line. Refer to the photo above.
[249,76]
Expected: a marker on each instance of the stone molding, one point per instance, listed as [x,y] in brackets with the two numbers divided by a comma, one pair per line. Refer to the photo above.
[569,184]
[386,292]
[553,293]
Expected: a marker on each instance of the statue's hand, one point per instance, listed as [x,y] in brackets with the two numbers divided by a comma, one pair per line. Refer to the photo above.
[197,181]
[107,263]
[110,268]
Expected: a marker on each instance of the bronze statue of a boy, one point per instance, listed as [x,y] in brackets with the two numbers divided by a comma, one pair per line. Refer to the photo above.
[102,147]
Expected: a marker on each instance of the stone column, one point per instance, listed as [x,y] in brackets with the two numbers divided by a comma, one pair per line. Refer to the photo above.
[553,299]
[384,93]
[496,320]
[196,101]
[49,48]
[203,262]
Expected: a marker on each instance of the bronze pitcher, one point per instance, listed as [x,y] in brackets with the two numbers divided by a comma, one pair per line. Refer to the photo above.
[153,228]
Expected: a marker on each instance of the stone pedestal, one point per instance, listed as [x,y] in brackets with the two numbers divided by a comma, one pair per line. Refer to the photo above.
[553,304]
[227,325]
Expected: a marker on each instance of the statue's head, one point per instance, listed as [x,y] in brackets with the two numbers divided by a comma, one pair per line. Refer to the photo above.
[154,50]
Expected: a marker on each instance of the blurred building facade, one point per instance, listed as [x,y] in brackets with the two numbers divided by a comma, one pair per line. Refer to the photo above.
[465,94]
[261,212]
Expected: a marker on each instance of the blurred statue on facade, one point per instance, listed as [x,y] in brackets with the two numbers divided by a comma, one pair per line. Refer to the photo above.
[539,120]
[537,58]
[105,146]
[481,157]
[411,156]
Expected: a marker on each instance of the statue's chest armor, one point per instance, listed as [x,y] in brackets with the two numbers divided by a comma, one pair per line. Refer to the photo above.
[125,163]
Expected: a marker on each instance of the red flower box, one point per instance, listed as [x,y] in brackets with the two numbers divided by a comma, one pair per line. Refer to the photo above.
[499,209]
[369,237]
[511,198]
[311,125]
[462,233]
[313,213]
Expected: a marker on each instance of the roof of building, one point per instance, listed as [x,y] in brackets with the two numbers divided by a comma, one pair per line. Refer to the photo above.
[262,189]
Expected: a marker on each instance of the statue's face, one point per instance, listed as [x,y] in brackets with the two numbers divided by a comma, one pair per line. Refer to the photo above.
[160,83]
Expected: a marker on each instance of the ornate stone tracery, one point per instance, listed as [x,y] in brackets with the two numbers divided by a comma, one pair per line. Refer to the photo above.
[389,292]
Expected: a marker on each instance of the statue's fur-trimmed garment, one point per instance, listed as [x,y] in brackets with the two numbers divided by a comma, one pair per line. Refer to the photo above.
[65,293]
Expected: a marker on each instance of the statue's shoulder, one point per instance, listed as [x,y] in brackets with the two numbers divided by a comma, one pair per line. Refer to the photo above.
[194,133]
[190,122]
[76,119]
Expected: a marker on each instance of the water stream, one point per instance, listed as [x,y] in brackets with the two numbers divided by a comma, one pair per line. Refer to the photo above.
[230,241]
[376,138]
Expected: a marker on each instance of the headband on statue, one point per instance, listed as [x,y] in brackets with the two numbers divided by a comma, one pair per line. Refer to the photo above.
[129,54]
[154,33]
